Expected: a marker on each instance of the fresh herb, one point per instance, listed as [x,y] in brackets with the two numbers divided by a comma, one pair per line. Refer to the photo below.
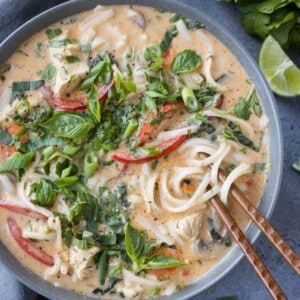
[66,181]
[4,68]
[123,86]
[5,138]
[296,165]
[102,267]
[168,37]
[69,125]
[214,234]
[154,164]
[186,61]
[17,161]
[60,43]
[84,241]
[52,33]
[190,24]
[242,109]
[68,58]
[227,134]
[201,120]
[49,73]
[131,128]
[22,86]
[44,194]
[153,54]
[93,103]
[236,130]
[140,251]
[100,72]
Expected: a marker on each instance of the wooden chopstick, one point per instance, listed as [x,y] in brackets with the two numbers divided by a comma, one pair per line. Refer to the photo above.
[290,256]
[261,270]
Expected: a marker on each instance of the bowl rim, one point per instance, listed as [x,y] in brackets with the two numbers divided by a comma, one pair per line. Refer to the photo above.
[269,199]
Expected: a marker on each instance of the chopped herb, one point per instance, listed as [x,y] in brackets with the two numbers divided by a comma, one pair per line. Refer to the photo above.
[49,73]
[67,58]
[259,167]
[60,43]
[186,61]
[22,86]
[85,48]
[52,33]
[44,193]
[154,164]
[5,138]
[168,37]
[4,68]
[190,24]
[17,161]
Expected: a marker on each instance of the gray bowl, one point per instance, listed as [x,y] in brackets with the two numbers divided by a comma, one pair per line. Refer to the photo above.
[272,188]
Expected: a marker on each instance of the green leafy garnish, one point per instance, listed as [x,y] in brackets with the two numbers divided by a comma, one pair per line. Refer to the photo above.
[168,37]
[17,161]
[52,33]
[68,58]
[44,193]
[60,43]
[190,24]
[4,68]
[49,73]
[242,109]
[186,61]
[153,54]
[69,125]
[140,251]
[22,86]
[93,103]
[5,138]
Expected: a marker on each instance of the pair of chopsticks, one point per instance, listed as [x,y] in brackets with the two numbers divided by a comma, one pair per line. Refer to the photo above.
[239,237]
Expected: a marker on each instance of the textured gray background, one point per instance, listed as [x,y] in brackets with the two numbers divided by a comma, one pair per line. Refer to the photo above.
[242,281]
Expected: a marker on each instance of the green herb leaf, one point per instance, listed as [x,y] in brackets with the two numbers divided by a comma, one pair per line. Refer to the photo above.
[22,86]
[90,164]
[60,43]
[68,58]
[44,193]
[17,161]
[85,48]
[69,125]
[4,68]
[5,138]
[186,61]
[102,267]
[168,37]
[52,33]
[49,73]
[154,55]
[93,102]
[160,261]
[66,181]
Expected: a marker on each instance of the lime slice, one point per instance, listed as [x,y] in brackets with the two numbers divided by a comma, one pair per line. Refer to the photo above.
[279,70]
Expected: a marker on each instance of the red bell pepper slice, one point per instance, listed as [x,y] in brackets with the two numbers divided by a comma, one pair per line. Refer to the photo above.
[148,130]
[166,147]
[27,246]
[22,210]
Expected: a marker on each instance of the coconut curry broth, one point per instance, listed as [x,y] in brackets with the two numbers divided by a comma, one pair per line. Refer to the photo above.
[31,59]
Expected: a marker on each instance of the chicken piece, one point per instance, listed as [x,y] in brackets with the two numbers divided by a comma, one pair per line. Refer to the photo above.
[207,250]
[81,261]
[191,227]
[71,65]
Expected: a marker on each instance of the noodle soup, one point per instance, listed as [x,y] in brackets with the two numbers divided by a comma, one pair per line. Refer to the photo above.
[114,125]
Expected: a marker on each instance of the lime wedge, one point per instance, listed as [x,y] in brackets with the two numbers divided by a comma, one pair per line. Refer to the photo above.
[279,70]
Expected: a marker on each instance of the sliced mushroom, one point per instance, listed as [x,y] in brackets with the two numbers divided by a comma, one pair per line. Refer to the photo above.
[208,250]
[137,18]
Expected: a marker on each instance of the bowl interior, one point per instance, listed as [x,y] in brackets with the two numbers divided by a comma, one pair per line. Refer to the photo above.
[272,188]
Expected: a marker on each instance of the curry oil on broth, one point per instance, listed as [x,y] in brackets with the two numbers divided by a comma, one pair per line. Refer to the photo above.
[32,57]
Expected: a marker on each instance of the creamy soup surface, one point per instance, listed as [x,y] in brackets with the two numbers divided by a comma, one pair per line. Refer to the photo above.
[113,126]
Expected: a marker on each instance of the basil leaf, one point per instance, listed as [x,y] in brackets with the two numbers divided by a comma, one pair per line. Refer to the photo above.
[186,61]
[242,109]
[22,86]
[49,73]
[52,33]
[17,161]
[134,243]
[190,24]
[93,102]
[69,125]
[44,193]
[5,138]
[236,130]
[161,261]
[60,43]
[66,181]
[168,37]
[67,58]
[4,68]
[154,55]
[90,164]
